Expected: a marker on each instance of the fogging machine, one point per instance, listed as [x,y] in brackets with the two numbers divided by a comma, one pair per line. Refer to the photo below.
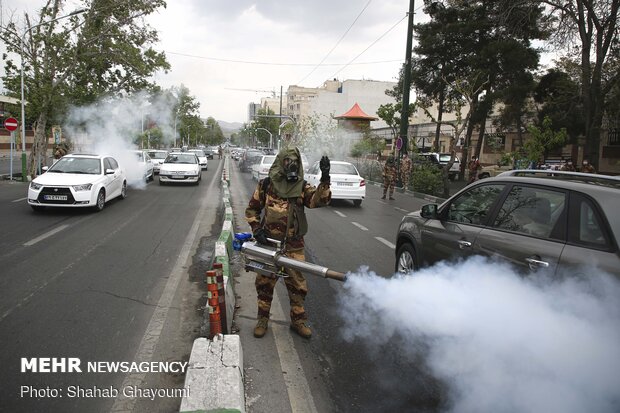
[271,262]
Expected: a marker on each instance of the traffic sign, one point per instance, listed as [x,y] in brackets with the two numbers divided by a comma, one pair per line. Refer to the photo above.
[399,143]
[10,124]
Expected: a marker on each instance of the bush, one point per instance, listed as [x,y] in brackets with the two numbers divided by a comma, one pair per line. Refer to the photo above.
[427,180]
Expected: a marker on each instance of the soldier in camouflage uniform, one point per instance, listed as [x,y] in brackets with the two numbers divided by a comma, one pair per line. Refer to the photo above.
[389,177]
[281,197]
[405,170]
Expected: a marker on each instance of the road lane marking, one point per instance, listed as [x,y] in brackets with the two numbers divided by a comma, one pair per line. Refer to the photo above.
[386,242]
[46,235]
[297,386]
[20,199]
[360,226]
[401,209]
[340,214]
[151,337]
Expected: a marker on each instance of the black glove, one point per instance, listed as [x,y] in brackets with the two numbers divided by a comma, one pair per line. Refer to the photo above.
[324,165]
[260,235]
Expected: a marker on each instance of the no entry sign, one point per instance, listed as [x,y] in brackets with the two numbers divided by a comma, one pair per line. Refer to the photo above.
[10,124]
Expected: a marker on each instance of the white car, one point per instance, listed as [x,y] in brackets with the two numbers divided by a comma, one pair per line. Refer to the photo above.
[346,182]
[78,180]
[260,169]
[145,171]
[157,157]
[180,167]
[202,158]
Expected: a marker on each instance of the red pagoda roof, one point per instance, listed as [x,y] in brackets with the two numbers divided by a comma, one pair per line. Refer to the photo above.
[356,113]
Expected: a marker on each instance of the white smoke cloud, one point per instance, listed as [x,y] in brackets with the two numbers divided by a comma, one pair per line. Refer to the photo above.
[500,342]
[110,126]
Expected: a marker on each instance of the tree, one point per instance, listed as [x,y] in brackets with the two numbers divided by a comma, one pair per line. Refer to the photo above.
[592,26]
[77,60]
[543,140]
[390,114]
[560,101]
[265,119]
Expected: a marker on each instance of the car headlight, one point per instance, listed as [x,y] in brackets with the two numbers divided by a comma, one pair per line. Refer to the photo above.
[84,187]
[35,185]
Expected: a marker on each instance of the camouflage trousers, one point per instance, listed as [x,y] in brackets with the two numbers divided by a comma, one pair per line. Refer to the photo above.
[388,185]
[405,180]
[295,284]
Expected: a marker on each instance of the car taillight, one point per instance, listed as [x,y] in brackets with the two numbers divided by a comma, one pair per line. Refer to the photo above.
[362,183]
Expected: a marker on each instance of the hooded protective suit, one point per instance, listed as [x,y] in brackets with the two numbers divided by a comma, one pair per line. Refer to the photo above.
[277,208]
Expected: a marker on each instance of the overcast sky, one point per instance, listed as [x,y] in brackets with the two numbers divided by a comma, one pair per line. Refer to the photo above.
[208,41]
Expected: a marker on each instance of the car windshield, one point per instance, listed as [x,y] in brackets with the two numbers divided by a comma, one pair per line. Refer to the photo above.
[181,158]
[71,165]
[158,155]
[445,157]
[268,160]
[343,169]
[198,152]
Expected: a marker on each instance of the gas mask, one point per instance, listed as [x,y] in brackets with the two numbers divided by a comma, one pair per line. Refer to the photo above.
[291,169]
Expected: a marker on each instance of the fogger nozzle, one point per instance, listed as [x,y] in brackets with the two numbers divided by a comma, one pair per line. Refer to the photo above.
[266,261]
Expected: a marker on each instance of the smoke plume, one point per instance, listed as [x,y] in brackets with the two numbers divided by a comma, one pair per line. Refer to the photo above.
[110,127]
[499,342]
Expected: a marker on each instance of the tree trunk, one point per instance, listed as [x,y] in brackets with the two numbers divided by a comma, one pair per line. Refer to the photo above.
[439,118]
[38,154]
[483,123]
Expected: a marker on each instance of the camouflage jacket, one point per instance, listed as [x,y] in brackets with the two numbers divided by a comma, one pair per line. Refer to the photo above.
[405,167]
[275,211]
[389,173]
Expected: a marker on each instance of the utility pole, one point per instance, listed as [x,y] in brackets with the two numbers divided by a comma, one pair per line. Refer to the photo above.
[404,120]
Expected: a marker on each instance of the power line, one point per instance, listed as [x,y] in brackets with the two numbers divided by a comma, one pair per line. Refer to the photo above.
[336,45]
[371,45]
[251,62]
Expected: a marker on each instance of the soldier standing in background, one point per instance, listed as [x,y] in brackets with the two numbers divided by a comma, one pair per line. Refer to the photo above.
[405,170]
[587,168]
[568,166]
[389,177]
[281,198]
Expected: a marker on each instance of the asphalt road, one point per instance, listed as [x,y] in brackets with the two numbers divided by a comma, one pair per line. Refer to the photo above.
[120,285]
[329,373]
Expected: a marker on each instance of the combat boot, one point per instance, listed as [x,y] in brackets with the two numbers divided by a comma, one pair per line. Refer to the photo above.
[261,327]
[301,328]
[383,197]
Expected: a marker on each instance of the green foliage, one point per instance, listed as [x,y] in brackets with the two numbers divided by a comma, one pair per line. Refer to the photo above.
[543,140]
[368,145]
[559,97]
[427,180]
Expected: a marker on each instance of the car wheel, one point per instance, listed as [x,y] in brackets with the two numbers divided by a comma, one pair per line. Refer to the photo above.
[37,208]
[357,202]
[406,260]
[100,201]
[124,190]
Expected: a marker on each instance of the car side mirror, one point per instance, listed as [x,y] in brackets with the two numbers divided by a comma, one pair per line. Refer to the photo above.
[109,171]
[429,211]
[45,168]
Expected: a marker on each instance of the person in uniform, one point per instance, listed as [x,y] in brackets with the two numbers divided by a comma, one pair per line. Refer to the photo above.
[474,168]
[568,166]
[405,170]
[587,168]
[389,177]
[276,210]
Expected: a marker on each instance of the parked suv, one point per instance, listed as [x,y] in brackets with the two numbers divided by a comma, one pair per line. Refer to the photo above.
[532,219]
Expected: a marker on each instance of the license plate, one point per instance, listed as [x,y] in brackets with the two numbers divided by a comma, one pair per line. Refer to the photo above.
[178,176]
[345,184]
[55,197]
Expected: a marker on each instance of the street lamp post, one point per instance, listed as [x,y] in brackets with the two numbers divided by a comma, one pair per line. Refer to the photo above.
[289,120]
[270,136]
[22,41]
